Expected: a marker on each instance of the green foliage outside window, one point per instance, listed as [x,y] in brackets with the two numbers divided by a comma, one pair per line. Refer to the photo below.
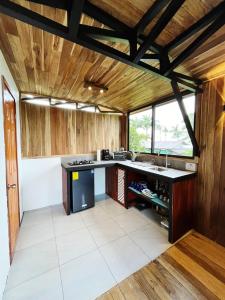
[140,132]
[171,136]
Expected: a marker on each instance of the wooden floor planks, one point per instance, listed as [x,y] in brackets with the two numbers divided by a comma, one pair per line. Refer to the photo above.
[194,268]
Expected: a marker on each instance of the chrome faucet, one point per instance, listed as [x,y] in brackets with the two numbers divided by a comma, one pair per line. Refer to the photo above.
[159,151]
[133,156]
[166,154]
[167,164]
[166,159]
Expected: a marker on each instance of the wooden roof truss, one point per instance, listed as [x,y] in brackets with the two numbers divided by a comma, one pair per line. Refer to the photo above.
[139,44]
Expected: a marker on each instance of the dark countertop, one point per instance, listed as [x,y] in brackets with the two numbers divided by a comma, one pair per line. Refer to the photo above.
[170,174]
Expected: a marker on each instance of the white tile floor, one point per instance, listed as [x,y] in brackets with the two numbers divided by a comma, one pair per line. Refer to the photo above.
[82,255]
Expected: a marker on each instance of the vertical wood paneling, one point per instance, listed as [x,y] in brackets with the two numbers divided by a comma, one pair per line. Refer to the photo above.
[211,172]
[53,131]
[35,131]
[85,128]
[105,131]
[124,131]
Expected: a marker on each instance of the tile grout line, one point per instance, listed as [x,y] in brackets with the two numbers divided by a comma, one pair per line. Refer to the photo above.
[141,247]
[128,234]
[30,279]
[59,265]
[36,244]
[60,273]
[49,270]
[97,247]
[102,256]
[111,241]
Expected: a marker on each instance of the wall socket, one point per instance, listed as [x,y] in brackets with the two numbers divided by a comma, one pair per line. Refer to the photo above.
[191,167]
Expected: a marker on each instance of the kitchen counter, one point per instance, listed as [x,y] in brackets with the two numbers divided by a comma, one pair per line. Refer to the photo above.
[179,185]
[168,174]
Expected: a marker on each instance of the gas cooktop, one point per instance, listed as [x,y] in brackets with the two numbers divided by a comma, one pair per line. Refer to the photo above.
[80,162]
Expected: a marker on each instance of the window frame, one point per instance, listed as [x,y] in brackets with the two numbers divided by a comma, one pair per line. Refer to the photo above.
[128,128]
[153,107]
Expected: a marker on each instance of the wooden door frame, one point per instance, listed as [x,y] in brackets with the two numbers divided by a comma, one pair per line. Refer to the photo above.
[5,84]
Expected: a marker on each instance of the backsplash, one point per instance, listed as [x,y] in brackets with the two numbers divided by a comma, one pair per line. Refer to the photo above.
[161,161]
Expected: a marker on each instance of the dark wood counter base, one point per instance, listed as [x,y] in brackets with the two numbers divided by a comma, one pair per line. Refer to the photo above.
[118,179]
[181,195]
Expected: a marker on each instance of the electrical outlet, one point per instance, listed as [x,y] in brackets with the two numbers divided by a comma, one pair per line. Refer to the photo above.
[191,167]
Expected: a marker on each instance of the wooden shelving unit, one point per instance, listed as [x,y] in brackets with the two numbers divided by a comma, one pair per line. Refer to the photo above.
[155,200]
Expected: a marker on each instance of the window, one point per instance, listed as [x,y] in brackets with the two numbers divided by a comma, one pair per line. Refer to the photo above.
[170,133]
[140,131]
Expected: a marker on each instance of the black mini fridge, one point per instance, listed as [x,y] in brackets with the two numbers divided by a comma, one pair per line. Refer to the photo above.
[83,195]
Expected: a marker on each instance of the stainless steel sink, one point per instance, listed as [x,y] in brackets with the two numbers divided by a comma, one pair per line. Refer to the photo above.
[159,169]
[140,164]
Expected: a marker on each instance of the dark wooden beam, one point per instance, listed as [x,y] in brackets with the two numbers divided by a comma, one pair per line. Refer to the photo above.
[110,21]
[156,48]
[188,78]
[164,61]
[62,4]
[196,27]
[133,47]
[192,87]
[74,13]
[106,50]
[103,17]
[217,24]
[179,98]
[156,7]
[104,34]
[25,15]
[158,28]
[151,56]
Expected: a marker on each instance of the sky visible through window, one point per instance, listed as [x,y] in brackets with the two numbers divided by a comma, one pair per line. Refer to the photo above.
[170,131]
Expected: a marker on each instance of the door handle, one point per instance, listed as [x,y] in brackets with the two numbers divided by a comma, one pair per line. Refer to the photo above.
[11,186]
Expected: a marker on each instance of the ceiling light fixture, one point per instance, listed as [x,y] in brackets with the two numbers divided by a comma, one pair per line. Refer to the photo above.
[93,86]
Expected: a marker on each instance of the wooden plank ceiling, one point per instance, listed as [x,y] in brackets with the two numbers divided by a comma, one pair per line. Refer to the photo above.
[45,64]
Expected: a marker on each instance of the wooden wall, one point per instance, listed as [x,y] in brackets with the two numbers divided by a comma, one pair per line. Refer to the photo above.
[49,131]
[210,204]
[124,131]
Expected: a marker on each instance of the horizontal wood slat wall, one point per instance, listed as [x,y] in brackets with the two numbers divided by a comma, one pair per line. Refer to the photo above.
[210,205]
[53,131]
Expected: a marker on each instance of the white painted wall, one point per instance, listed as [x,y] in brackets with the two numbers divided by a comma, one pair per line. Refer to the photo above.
[4,242]
[99,172]
[99,181]
[41,182]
